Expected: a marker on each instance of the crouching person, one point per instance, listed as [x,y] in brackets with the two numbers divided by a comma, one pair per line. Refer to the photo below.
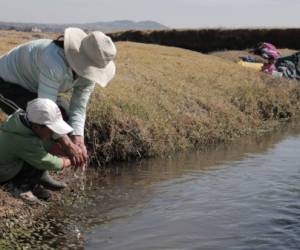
[24,160]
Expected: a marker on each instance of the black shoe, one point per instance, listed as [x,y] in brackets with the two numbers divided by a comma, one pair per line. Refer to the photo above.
[48,182]
[41,193]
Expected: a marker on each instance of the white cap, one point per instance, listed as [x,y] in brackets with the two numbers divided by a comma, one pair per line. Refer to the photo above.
[46,112]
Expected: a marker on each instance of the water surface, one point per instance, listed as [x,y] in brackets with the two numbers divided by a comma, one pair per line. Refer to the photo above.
[242,196]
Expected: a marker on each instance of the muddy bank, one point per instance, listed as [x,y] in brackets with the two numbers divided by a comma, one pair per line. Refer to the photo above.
[24,225]
[208,40]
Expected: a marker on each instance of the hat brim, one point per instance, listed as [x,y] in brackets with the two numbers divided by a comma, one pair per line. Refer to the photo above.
[60,127]
[80,63]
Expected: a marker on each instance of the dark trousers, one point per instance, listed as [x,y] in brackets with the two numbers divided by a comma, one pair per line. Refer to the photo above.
[13,97]
[28,175]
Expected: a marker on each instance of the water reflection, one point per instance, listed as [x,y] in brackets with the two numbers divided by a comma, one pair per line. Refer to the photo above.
[243,197]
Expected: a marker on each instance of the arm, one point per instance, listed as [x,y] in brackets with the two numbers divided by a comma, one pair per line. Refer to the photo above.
[66,162]
[80,97]
[35,154]
[73,151]
[49,88]
[79,100]
[52,71]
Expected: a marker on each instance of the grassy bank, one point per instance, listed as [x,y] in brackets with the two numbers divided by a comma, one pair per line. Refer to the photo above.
[167,99]
[164,100]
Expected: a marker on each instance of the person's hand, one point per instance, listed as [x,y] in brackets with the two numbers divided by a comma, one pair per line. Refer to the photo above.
[57,150]
[79,141]
[66,162]
[74,152]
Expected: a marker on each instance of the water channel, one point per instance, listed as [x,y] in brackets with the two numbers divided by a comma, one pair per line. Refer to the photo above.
[242,196]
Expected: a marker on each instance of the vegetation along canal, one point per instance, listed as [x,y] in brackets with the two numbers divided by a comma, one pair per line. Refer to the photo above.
[242,196]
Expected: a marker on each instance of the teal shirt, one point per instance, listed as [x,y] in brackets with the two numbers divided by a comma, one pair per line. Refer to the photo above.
[18,144]
[41,67]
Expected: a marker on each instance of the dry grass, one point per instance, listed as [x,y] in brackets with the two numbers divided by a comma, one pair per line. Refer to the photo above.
[168,99]
[11,39]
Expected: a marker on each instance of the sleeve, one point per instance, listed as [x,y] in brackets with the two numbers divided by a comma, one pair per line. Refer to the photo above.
[79,100]
[38,157]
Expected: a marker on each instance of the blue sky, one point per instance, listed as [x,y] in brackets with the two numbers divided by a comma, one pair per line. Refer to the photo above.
[173,13]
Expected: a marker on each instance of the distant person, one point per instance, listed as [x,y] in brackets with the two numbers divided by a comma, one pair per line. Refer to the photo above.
[24,159]
[277,65]
[269,52]
[46,68]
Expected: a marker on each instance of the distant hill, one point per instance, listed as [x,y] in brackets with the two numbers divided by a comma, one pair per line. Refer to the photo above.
[119,25]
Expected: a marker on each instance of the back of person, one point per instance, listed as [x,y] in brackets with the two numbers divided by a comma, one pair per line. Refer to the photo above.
[13,137]
[34,62]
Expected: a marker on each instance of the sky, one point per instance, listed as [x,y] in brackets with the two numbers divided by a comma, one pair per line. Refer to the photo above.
[172,13]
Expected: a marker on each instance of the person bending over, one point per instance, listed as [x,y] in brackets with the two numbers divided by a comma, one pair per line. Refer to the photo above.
[47,68]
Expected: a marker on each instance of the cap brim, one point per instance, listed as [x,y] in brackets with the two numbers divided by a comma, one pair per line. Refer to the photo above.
[60,127]
[80,63]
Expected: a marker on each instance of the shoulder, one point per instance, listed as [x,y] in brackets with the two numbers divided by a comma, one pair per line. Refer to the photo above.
[51,61]
[35,45]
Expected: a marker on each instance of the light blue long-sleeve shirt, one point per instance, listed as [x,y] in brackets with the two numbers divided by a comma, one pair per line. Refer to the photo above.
[40,66]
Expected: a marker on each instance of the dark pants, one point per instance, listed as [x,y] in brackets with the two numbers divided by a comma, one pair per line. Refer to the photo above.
[28,175]
[13,97]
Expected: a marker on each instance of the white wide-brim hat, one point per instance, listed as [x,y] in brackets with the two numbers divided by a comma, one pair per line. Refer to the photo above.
[46,112]
[90,55]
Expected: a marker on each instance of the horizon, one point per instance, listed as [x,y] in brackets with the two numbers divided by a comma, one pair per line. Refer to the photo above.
[190,14]
[138,21]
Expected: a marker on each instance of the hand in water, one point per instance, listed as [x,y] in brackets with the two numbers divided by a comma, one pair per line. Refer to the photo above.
[73,151]
[79,142]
